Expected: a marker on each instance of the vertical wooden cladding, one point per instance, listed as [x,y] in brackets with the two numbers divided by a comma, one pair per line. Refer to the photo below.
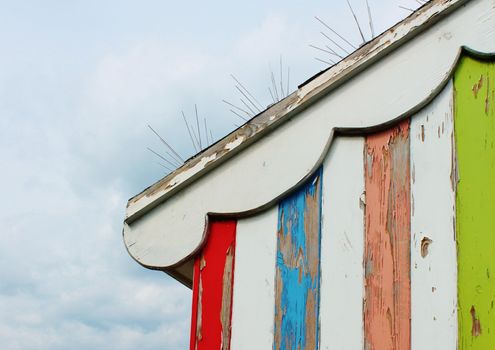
[433,244]
[254,282]
[342,246]
[387,308]
[212,289]
[297,276]
[475,202]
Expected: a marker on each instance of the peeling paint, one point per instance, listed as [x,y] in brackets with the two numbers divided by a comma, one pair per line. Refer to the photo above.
[199,333]
[225,312]
[297,281]
[387,255]
[477,87]
[476,325]
[231,145]
[195,169]
[425,244]
[212,289]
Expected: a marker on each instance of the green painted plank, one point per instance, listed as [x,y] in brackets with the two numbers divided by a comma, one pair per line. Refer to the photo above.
[475,203]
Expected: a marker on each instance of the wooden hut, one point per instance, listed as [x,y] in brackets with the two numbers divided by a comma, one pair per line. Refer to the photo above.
[357,213]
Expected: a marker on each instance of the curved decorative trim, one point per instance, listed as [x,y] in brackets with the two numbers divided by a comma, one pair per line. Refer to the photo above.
[237,142]
[308,93]
[464,50]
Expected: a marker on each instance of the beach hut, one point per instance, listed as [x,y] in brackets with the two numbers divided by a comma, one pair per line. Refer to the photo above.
[356,213]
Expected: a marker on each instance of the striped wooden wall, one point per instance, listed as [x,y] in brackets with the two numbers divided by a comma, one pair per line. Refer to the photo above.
[389,245]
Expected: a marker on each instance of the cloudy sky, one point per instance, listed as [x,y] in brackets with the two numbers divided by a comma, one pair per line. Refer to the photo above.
[79,82]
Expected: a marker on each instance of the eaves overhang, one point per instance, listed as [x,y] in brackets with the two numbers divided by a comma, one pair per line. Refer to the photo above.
[307,93]
[166,224]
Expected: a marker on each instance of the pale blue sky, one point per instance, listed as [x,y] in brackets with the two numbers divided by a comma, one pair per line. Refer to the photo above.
[79,81]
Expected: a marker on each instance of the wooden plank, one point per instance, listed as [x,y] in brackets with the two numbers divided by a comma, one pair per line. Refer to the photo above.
[433,245]
[342,246]
[387,310]
[297,276]
[212,289]
[475,204]
[254,282]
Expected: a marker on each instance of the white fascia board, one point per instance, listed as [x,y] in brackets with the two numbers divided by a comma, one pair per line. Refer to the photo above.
[399,73]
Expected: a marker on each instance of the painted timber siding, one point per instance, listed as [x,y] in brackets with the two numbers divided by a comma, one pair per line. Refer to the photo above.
[433,244]
[342,246]
[475,210]
[297,276]
[212,293]
[254,282]
[387,310]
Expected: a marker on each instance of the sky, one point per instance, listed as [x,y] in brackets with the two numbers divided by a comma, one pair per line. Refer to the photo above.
[79,83]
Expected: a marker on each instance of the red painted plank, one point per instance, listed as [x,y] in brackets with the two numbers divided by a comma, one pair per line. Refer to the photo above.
[387,309]
[212,289]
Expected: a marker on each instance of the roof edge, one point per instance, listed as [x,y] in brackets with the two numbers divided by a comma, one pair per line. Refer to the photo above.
[307,94]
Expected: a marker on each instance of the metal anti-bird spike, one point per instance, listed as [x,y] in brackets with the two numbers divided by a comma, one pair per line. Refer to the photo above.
[238,108]
[333,31]
[247,91]
[189,131]
[175,155]
[356,20]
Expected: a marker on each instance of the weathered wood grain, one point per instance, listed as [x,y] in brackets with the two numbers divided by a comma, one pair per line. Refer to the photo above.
[297,276]
[212,289]
[474,84]
[387,310]
[433,244]
[342,246]
[254,282]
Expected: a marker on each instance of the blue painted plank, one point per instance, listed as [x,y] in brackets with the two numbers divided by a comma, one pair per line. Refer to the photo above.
[297,281]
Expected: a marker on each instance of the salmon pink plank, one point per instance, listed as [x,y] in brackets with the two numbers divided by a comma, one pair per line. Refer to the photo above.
[387,310]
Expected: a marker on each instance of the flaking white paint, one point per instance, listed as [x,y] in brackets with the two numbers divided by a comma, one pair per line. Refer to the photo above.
[231,145]
[433,268]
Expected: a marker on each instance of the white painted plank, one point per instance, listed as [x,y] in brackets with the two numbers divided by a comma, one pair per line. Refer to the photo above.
[342,275]
[254,278]
[433,268]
